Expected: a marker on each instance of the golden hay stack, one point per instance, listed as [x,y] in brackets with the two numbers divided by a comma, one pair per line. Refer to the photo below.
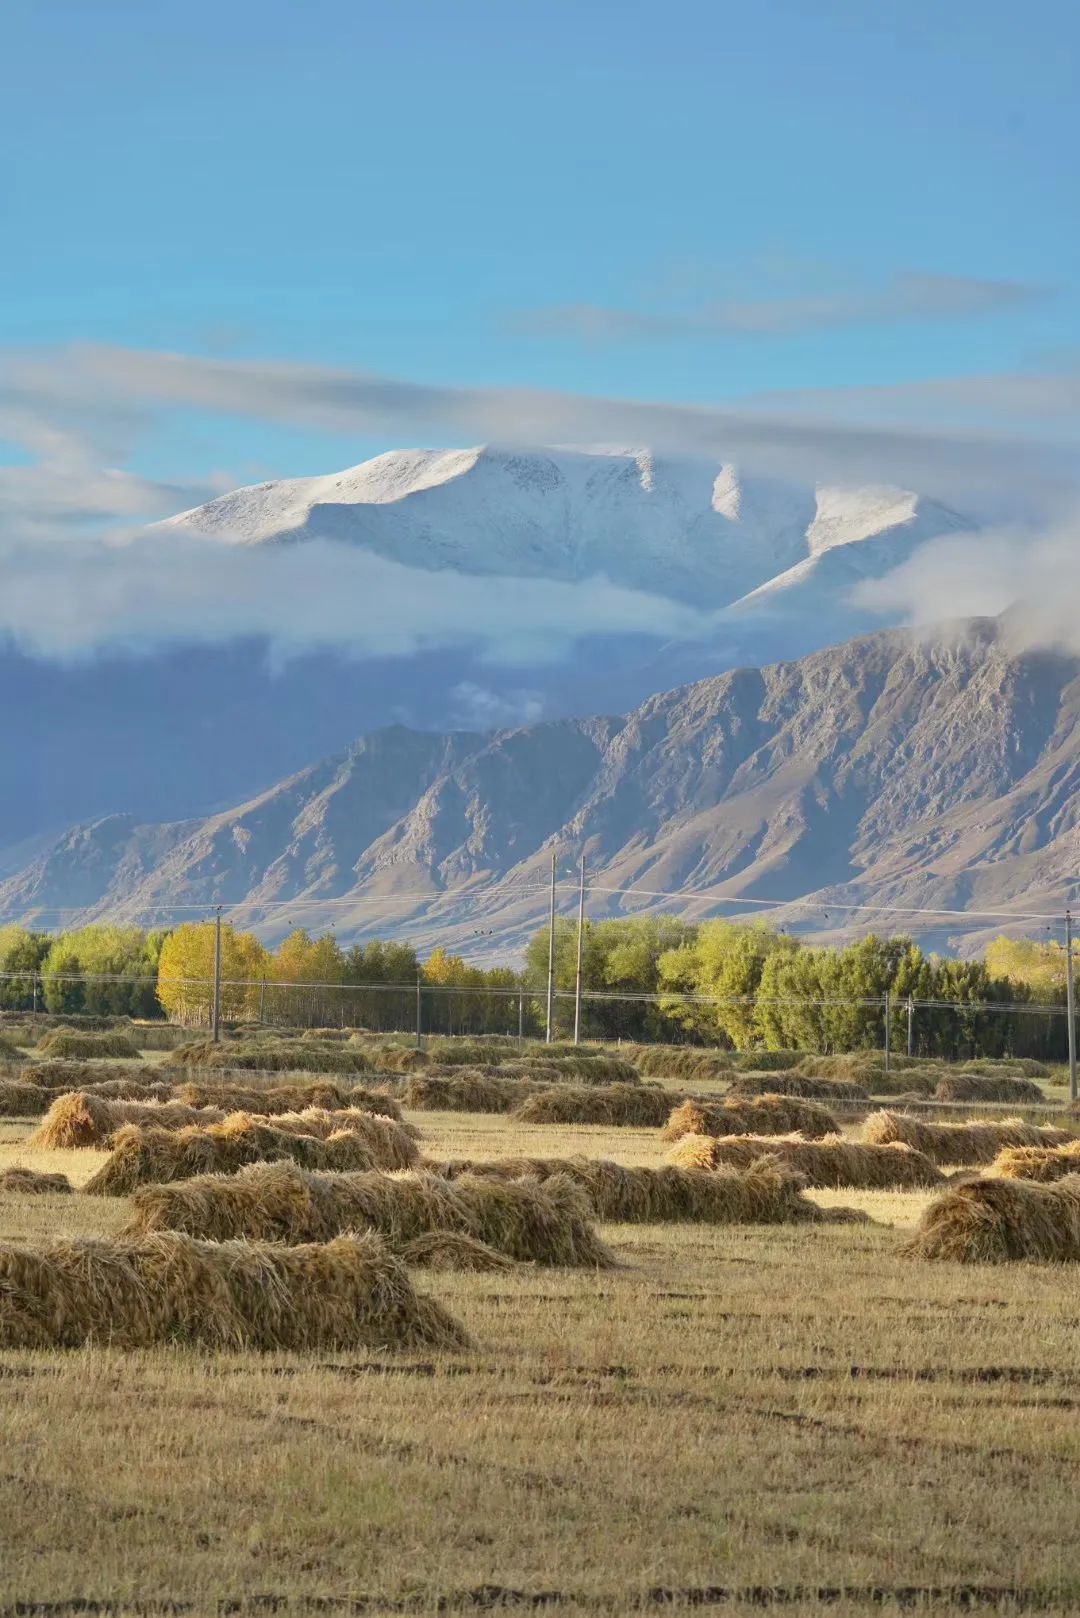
[542,1224]
[392,1144]
[18,1100]
[993,1221]
[59,1073]
[466,1091]
[148,1156]
[348,1293]
[446,1250]
[637,1105]
[753,1194]
[273,1056]
[1038,1162]
[265,1100]
[794,1083]
[82,1119]
[1015,1092]
[679,1062]
[763,1115]
[831,1163]
[977,1142]
[66,1042]
[31,1182]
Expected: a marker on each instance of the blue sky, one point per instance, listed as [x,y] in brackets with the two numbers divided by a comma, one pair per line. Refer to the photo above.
[768,197]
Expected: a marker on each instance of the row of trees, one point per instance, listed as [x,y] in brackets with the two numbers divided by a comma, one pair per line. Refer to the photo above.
[650,978]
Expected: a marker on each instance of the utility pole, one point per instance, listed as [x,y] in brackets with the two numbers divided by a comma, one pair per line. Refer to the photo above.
[888,1052]
[521,1016]
[217,976]
[419,1024]
[580,952]
[1070,1000]
[910,1025]
[551,957]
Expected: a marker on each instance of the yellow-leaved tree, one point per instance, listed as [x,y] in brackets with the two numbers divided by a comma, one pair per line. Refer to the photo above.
[186,974]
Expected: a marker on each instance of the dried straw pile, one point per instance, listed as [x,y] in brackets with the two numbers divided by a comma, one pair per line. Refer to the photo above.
[635,1105]
[19,1100]
[541,1224]
[469,1052]
[84,1047]
[832,1163]
[60,1074]
[10,1054]
[565,1069]
[466,1090]
[392,1144]
[1038,1162]
[348,1293]
[759,1192]
[795,1083]
[33,1183]
[445,1250]
[266,1099]
[993,1221]
[763,1115]
[82,1119]
[977,1142]
[679,1062]
[1015,1092]
[274,1056]
[149,1156]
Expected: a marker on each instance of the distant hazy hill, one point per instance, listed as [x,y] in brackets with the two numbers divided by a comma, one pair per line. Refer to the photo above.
[942,772]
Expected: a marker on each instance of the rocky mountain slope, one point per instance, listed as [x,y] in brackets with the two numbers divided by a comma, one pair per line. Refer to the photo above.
[939,772]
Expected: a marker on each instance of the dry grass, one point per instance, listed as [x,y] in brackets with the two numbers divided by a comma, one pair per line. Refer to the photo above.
[32,1182]
[794,1083]
[167,1288]
[1015,1092]
[542,1224]
[21,1100]
[82,1119]
[77,1046]
[832,1162]
[444,1251]
[1038,1162]
[466,1091]
[144,1155]
[680,1062]
[759,1192]
[274,1056]
[62,1074]
[764,1115]
[994,1221]
[975,1143]
[9,1052]
[635,1105]
[391,1144]
[266,1099]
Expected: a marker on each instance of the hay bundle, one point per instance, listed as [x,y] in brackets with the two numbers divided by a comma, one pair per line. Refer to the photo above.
[266,1099]
[66,1042]
[465,1091]
[82,1119]
[759,1061]
[977,1142]
[392,1145]
[446,1250]
[637,1105]
[796,1083]
[831,1163]
[9,1052]
[673,1193]
[562,1069]
[58,1073]
[542,1224]
[452,1052]
[31,1182]
[1016,1092]
[679,1062]
[273,1056]
[761,1115]
[993,1221]
[19,1100]
[166,1288]
[145,1156]
[1038,1162]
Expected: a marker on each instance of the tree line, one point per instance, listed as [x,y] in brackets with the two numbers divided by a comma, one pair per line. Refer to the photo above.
[735,984]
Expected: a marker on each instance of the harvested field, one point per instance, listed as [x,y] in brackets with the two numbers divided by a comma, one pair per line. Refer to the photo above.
[167,1288]
[1015,1092]
[466,1091]
[763,1115]
[82,1119]
[540,1224]
[995,1221]
[143,1155]
[975,1143]
[622,1104]
[760,1192]
[78,1046]
[31,1182]
[1038,1162]
[831,1162]
[274,1056]
[794,1083]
